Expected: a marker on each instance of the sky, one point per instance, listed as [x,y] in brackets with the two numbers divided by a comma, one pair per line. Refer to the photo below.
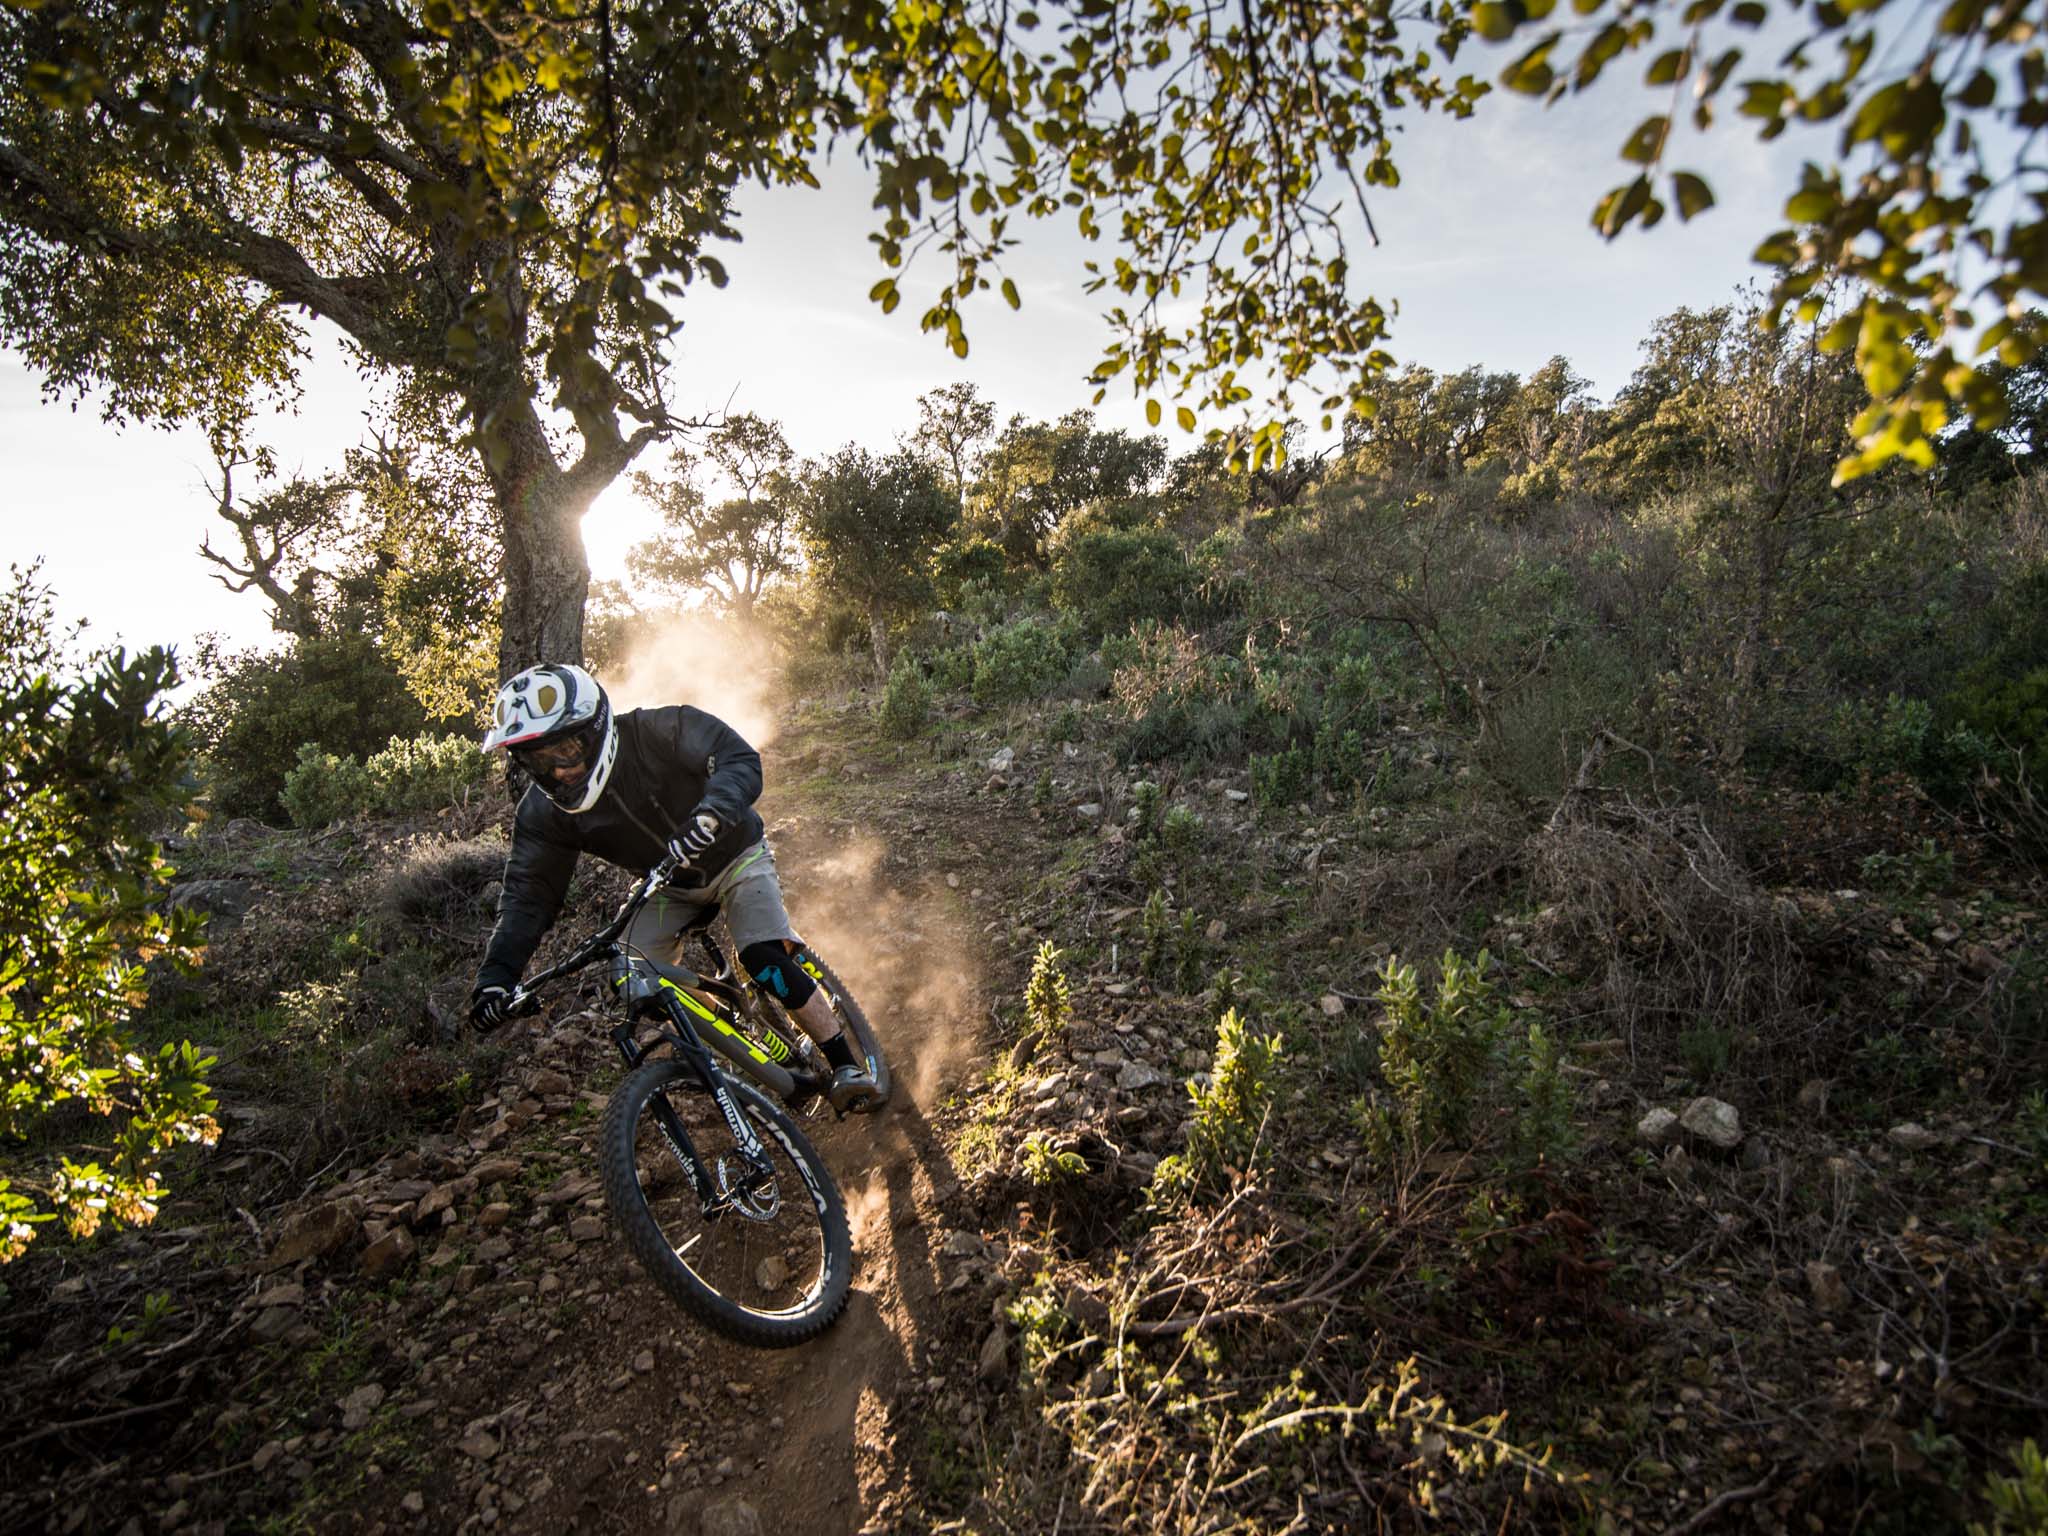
[1486,248]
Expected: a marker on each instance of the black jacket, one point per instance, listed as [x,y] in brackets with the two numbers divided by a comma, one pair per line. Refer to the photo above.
[672,763]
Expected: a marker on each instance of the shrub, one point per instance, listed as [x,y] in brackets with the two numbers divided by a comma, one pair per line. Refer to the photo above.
[906,700]
[337,690]
[1019,661]
[425,773]
[408,777]
[2012,712]
[1282,778]
[92,763]
[443,882]
[1230,1110]
[2019,1504]
[953,668]
[1111,578]
[1047,998]
[324,788]
[1437,1054]
[964,563]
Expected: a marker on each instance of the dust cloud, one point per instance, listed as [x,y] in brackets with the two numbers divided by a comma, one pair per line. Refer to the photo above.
[905,957]
[904,954]
[717,664]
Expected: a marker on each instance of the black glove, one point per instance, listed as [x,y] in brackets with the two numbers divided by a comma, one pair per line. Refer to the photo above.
[490,1007]
[698,835]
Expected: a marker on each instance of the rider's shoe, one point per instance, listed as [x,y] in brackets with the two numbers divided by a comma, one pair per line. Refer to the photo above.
[851,1089]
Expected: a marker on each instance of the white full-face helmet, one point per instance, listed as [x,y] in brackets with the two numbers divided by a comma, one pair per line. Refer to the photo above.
[557,723]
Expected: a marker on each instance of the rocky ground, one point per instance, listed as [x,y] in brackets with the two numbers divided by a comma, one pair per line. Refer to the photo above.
[1739,1300]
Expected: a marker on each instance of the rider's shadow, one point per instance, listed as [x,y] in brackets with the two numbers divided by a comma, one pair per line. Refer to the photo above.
[875,1355]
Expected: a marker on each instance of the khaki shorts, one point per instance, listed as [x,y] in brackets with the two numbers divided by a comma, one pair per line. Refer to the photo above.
[748,892]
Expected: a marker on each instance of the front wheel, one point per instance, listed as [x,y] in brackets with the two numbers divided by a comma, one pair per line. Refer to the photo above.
[759,1252]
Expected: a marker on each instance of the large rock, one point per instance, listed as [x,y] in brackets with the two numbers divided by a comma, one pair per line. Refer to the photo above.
[390,1254]
[1714,1122]
[319,1233]
[995,1355]
[1138,1075]
[360,1405]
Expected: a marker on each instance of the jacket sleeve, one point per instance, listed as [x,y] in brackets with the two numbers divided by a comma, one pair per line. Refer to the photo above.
[732,770]
[537,875]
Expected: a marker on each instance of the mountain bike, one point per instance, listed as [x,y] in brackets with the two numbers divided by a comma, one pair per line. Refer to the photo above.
[718,1193]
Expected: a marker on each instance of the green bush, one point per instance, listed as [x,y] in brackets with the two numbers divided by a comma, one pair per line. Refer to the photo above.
[409,777]
[1048,1001]
[1019,661]
[324,788]
[1230,1111]
[425,773]
[337,690]
[906,700]
[2012,712]
[1111,578]
[1438,1054]
[92,765]
[952,668]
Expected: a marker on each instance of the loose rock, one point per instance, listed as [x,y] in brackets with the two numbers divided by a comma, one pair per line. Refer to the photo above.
[1659,1128]
[389,1254]
[1713,1121]
[1912,1137]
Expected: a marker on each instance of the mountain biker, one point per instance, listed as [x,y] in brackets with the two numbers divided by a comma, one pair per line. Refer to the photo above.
[620,786]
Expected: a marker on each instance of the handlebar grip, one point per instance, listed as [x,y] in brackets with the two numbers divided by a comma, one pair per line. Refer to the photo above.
[524,1006]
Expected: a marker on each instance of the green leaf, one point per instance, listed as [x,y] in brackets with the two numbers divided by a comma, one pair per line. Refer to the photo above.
[1152,413]
[1694,195]
[1010,294]
[1494,20]
[1647,142]
[1186,418]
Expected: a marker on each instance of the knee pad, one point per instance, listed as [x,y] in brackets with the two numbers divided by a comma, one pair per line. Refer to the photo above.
[777,968]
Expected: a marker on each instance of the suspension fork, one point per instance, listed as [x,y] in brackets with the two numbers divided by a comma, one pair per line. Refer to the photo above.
[690,1046]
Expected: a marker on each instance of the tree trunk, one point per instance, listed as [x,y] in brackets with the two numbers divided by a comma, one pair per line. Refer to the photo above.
[878,634]
[547,575]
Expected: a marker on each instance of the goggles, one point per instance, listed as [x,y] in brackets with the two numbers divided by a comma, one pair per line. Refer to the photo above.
[564,752]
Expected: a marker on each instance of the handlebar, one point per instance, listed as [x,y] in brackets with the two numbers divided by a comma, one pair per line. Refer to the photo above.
[525,999]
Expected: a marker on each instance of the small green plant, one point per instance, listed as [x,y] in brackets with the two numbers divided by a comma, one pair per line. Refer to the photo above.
[156,1310]
[1158,931]
[906,700]
[1046,1165]
[1706,1050]
[1147,802]
[1041,792]
[1190,951]
[1927,870]
[1280,778]
[1066,725]
[1230,1111]
[1180,833]
[1543,1118]
[2019,1504]
[1048,1000]
[1436,1054]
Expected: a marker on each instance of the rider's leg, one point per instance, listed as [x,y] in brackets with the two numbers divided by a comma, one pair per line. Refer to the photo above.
[771,953]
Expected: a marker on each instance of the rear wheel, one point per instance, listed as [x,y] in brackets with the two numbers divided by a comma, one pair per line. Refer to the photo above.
[759,1252]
